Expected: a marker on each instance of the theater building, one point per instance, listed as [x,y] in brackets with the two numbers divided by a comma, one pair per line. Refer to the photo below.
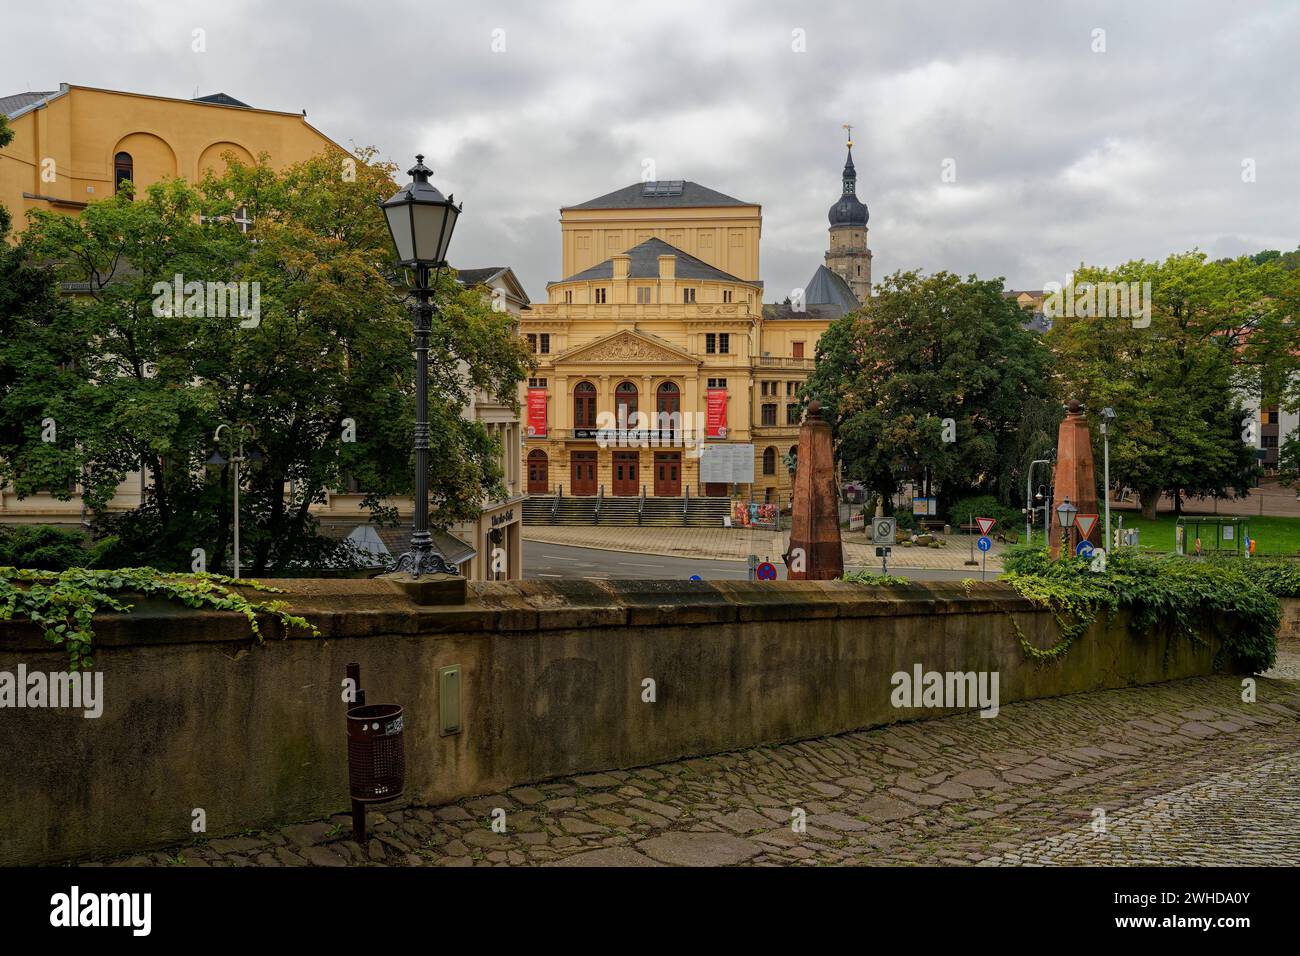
[660,371]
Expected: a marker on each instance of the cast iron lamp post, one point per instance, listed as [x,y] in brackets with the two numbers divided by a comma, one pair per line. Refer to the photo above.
[1065,513]
[421,221]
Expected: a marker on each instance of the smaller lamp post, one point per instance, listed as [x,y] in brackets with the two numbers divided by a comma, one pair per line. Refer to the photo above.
[1107,416]
[1065,513]
[219,461]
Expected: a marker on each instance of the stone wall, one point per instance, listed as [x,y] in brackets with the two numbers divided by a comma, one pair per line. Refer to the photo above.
[198,716]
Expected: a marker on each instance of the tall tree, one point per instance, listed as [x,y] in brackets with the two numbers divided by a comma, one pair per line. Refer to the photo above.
[321,357]
[922,350]
[1177,385]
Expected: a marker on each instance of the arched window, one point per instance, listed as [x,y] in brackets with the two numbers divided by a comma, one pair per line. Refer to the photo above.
[625,404]
[668,408]
[123,169]
[584,405]
[769,461]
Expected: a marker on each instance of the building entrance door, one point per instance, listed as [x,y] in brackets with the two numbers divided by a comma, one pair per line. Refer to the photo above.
[668,474]
[582,473]
[626,465]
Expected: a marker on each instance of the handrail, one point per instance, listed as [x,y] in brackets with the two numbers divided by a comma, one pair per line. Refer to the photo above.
[559,493]
[600,498]
[640,511]
[686,504]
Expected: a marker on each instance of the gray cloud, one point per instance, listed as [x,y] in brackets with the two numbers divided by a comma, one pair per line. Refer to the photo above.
[1062,154]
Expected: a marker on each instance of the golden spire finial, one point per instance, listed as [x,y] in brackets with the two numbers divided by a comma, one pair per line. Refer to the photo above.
[849,132]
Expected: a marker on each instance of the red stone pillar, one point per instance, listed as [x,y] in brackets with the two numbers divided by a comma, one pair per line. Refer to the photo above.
[815,512]
[1074,478]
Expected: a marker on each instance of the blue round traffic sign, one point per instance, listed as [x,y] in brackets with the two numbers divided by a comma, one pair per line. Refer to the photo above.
[766,571]
[984,543]
[1084,549]
[696,577]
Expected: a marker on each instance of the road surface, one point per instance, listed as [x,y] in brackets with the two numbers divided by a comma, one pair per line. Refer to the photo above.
[551,561]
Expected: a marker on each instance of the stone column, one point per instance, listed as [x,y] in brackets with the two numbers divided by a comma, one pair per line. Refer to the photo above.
[815,517]
[1074,478]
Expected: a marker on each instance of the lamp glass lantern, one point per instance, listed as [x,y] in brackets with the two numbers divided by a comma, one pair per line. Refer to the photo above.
[421,219]
[1065,513]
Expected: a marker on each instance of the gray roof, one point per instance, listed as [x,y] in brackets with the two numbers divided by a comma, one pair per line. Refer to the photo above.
[655,195]
[644,264]
[829,288]
[784,310]
[475,276]
[221,99]
[13,105]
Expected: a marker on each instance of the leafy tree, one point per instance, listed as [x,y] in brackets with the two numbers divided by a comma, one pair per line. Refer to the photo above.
[1177,384]
[925,349]
[326,356]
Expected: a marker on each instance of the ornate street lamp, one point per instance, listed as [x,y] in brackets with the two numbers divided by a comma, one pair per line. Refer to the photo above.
[1065,513]
[1107,416]
[218,461]
[421,221]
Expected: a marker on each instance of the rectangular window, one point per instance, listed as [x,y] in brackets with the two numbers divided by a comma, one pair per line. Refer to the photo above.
[710,343]
[544,340]
[568,297]
[537,383]
[1268,441]
[797,350]
[791,388]
[643,295]
[532,343]
[688,296]
[769,414]
[1268,416]
[726,295]
[717,383]
[724,343]
[600,296]
[792,413]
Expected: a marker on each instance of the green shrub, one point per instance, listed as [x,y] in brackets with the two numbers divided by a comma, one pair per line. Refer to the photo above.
[47,548]
[985,506]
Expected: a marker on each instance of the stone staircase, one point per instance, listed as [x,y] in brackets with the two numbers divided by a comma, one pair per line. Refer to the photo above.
[695,512]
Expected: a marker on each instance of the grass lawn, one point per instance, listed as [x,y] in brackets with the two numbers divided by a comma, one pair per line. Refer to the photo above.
[1272,535]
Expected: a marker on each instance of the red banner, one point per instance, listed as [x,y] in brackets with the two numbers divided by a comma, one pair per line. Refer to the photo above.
[715,423]
[537,413]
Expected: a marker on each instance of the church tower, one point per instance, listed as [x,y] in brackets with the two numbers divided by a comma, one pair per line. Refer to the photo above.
[849,257]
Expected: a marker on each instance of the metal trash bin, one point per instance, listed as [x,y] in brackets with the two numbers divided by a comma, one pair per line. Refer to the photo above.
[376,753]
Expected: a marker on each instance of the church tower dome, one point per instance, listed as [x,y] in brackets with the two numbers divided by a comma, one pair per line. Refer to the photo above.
[848,210]
[849,256]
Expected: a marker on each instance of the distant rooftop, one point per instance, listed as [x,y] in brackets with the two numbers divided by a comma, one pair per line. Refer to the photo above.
[10,106]
[660,193]
[221,99]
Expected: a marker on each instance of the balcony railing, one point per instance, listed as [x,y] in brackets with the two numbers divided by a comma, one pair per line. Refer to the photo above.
[776,361]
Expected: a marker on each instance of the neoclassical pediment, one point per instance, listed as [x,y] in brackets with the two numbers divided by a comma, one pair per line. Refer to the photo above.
[623,347]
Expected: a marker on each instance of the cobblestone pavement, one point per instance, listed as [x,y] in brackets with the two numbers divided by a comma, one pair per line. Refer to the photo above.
[1186,772]
[734,544]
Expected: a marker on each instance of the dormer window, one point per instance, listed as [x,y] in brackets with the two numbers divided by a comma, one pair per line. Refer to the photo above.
[600,296]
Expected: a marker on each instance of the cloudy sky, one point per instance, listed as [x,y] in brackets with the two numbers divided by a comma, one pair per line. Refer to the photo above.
[1068,144]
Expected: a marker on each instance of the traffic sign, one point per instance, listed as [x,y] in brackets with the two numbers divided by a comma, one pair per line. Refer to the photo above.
[766,571]
[986,524]
[883,530]
[983,543]
[696,577]
[1084,548]
[1085,523]
[884,552]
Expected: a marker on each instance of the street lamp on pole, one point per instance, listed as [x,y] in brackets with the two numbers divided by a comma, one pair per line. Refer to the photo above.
[218,461]
[421,221]
[1029,501]
[1065,513]
[1107,416]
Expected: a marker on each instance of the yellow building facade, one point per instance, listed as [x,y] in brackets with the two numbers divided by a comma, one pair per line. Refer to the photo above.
[659,369]
[73,145]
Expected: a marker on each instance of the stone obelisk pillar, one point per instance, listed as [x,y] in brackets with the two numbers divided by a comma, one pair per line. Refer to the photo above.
[1074,478]
[815,552]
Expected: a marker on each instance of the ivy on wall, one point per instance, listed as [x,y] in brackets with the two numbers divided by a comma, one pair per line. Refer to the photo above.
[64,603]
